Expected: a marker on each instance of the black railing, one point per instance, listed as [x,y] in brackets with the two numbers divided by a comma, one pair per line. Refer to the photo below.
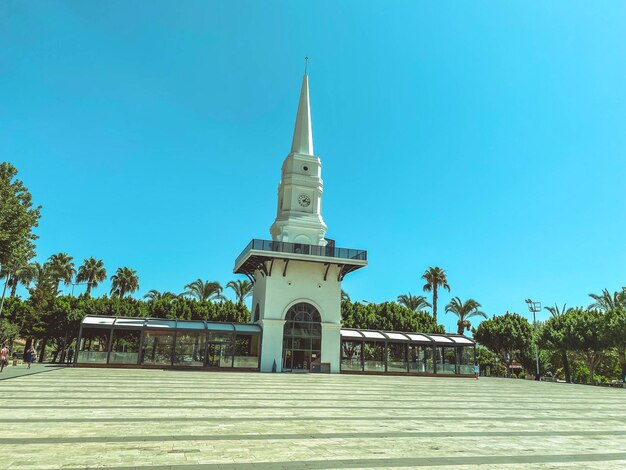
[299,248]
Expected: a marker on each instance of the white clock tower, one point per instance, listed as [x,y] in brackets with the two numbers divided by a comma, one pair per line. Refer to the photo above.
[297,275]
[299,216]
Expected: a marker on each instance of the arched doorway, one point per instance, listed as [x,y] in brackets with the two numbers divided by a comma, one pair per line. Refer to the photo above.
[302,337]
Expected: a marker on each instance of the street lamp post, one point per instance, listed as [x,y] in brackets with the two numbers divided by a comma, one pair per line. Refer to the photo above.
[76,284]
[535,307]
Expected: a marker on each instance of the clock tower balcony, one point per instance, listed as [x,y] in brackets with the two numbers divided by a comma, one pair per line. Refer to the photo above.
[260,255]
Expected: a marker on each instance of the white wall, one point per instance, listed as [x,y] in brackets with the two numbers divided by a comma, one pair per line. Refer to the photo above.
[303,282]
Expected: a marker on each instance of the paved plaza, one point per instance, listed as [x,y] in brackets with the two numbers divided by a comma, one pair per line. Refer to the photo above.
[151,419]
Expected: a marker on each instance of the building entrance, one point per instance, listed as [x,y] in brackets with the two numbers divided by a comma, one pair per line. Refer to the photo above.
[302,337]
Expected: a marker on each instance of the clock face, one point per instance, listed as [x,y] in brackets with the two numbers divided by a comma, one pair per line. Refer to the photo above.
[304,200]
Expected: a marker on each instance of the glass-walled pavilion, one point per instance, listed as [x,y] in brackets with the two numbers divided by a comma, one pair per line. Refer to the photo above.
[376,351]
[151,342]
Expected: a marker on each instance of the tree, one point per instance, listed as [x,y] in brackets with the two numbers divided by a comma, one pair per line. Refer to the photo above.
[586,331]
[552,336]
[344,296]
[92,272]
[616,330]
[124,281]
[204,291]
[508,335]
[435,278]
[607,302]
[61,267]
[242,289]
[388,316]
[17,273]
[614,305]
[43,279]
[156,295]
[464,311]
[18,218]
[413,302]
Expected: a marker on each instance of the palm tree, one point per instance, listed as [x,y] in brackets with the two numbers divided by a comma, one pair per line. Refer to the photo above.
[435,278]
[124,281]
[464,311]
[22,273]
[344,296]
[156,295]
[61,268]
[242,289]
[92,272]
[556,312]
[607,302]
[414,302]
[43,279]
[204,291]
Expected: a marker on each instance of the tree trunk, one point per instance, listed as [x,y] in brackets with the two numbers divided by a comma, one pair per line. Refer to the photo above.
[460,327]
[88,291]
[435,302]
[13,287]
[42,350]
[622,360]
[568,376]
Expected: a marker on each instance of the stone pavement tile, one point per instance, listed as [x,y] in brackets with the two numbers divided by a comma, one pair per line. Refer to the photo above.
[161,419]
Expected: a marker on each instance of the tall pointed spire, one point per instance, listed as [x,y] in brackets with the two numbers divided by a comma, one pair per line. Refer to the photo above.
[303,133]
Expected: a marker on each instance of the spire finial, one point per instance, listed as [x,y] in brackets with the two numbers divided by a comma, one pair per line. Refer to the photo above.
[302,134]
[306,63]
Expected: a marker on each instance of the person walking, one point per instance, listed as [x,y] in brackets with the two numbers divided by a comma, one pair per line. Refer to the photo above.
[31,355]
[4,357]
[70,355]
[476,370]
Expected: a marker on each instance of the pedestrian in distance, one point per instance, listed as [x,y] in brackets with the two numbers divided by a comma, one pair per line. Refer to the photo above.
[476,370]
[31,355]
[70,355]
[4,357]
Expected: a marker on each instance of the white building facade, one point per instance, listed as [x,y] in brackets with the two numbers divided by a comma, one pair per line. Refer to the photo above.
[297,275]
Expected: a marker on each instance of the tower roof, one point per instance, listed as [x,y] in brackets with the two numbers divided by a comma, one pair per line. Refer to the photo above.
[303,133]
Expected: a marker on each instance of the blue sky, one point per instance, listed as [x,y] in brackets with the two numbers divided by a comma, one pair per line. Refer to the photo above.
[486,138]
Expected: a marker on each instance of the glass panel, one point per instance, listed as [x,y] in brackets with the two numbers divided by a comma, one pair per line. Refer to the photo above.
[442,340]
[220,355]
[421,359]
[446,360]
[372,334]
[350,334]
[152,323]
[190,325]
[157,348]
[420,338]
[247,351]
[94,346]
[287,360]
[245,328]
[316,356]
[220,326]
[397,336]
[220,336]
[125,347]
[351,355]
[301,337]
[396,357]
[129,322]
[190,347]
[373,356]
[466,359]
[95,320]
